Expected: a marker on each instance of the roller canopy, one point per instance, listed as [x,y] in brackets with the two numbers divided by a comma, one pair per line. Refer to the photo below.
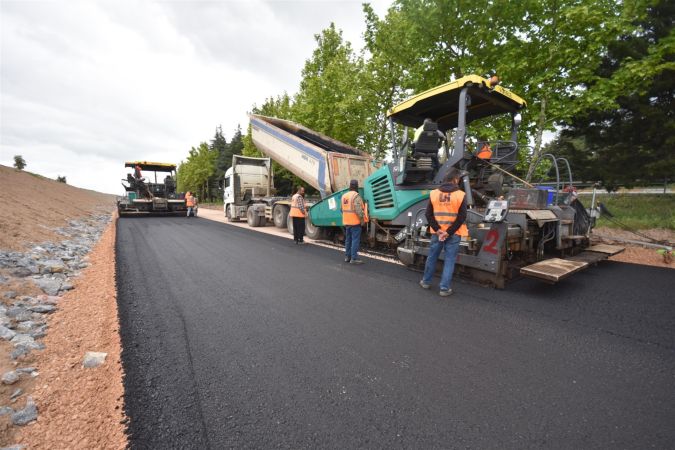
[442,103]
[154,166]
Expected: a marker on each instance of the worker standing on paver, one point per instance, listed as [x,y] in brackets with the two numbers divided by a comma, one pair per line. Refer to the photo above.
[298,214]
[353,220]
[191,203]
[446,214]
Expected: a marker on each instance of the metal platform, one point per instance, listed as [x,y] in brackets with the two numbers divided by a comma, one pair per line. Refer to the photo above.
[553,270]
[609,250]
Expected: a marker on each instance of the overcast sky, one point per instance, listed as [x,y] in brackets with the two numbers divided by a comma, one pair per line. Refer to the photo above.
[87,85]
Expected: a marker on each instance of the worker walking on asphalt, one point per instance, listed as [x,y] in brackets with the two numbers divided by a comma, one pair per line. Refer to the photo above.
[191,203]
[353,220]
[298,214]
[446,214]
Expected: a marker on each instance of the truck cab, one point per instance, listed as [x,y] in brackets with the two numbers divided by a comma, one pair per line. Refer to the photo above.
[248,191]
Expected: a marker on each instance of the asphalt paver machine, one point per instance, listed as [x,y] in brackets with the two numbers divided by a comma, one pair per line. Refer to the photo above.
[150,190]
[515,228]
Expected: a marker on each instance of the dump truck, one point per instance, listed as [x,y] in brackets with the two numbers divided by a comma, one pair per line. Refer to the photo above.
[249,193]
[322,162]
[146,194]
[515,228]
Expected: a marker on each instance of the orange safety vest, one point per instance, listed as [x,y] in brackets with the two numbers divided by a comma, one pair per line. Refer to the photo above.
[349,216]
[189,201]
[295,206]
[485,152]
[446,207]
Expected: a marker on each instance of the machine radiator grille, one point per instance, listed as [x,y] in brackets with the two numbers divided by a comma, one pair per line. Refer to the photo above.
[382,194]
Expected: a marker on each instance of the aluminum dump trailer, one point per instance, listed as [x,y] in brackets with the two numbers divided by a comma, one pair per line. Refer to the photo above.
[322,162]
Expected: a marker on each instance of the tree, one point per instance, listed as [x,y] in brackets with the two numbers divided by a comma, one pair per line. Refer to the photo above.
[19,162]
[194,174]
[61,179]
[329,99]
[219,145]
[630,140]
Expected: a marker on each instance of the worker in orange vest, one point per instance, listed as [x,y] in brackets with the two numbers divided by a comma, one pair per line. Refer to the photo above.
[191,203]
[446,214]
[298,214]
[352,219]
[485,151]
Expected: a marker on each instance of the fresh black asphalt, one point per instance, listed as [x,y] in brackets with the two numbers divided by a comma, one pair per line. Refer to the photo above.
[238,339]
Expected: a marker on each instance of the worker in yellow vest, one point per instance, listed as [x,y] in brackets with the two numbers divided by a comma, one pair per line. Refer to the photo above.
[298,214]
[191,203]
[446,214]
[352,219]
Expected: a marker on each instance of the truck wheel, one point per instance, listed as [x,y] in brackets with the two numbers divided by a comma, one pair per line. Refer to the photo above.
[280,216]
[230,217]
[289,225]
[252,218]
[314,232]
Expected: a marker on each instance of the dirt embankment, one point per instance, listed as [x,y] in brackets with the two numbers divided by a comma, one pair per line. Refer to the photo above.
[36,205]
[77,407]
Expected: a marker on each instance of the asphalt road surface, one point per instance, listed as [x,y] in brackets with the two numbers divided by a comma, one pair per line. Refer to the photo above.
[237,339]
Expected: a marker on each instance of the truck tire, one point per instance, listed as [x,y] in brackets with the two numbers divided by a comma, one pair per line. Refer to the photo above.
[230,216]
[252,218]
[289,226]
[280,215]
[314,232]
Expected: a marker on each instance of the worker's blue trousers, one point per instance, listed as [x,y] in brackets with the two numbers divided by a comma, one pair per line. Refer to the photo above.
[352,241]
[451,247]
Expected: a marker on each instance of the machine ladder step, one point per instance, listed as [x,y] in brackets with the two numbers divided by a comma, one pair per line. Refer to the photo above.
[597,253]
[553,270]
[609,250]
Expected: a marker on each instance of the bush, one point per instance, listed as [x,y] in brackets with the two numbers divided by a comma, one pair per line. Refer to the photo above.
[61,179]
[19,162]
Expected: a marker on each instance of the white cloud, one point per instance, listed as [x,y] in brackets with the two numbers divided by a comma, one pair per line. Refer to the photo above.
[87,85]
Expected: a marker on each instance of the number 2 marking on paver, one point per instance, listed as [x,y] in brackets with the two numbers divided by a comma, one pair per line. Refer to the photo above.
[491,242]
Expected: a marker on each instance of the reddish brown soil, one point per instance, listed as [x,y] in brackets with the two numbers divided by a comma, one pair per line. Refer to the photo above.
[78,407]
[635,253]
[39,205]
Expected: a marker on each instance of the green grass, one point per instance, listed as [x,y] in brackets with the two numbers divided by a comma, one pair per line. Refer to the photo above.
[638,211]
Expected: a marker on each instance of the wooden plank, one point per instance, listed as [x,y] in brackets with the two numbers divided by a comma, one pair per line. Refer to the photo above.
[553,270]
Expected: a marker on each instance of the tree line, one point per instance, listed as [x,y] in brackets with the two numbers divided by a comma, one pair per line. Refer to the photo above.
[598,73]
[206,165]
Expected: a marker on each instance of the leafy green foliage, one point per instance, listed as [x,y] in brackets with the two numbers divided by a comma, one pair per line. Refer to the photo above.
[19,162]
[637,211]
[601,68]
[61,179]
[195,174]
[631,141]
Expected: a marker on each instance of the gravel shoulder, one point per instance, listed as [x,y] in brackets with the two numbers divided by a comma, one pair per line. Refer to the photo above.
[81,407]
